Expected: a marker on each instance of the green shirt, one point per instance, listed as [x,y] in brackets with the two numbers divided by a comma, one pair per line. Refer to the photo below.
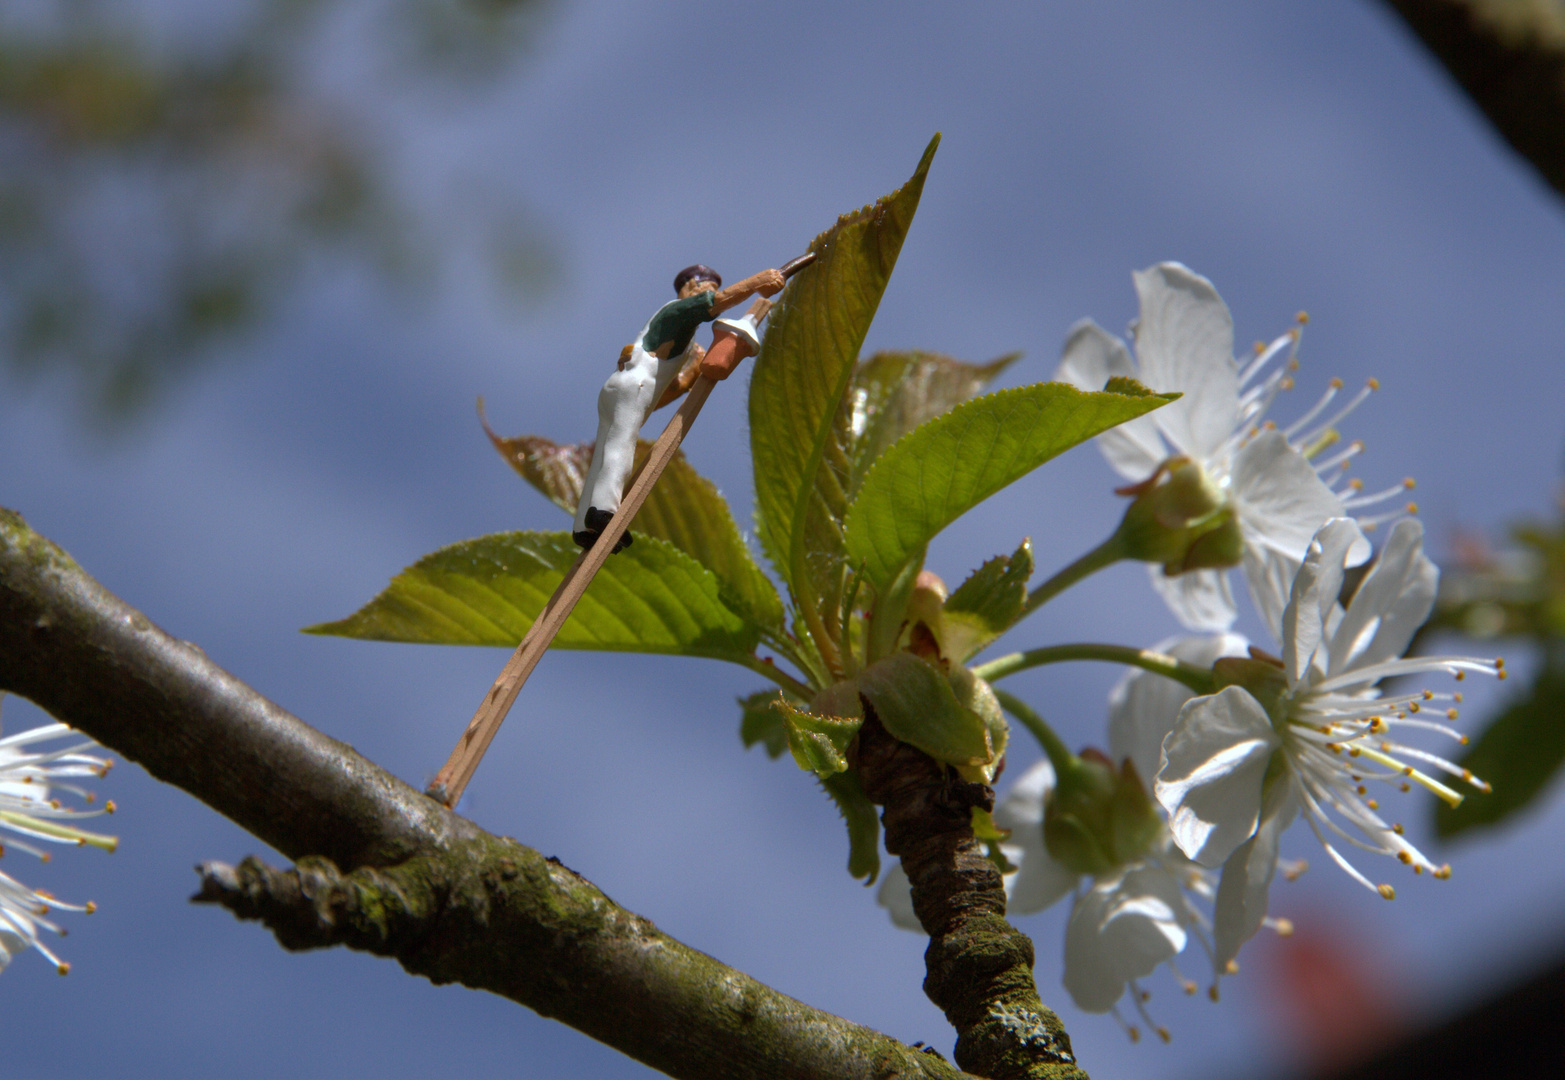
[676,322]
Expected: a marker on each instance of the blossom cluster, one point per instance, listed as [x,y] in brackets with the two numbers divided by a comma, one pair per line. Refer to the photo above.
[1254,740]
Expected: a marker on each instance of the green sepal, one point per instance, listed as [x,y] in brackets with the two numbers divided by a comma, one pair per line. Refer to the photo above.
[1099,818]
[819,743]
[863,823]
[761,723]
[986,605]
[958,724]
[651,598]
[947,466]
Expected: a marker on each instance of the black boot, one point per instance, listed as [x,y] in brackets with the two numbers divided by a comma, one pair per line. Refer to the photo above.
[596,521]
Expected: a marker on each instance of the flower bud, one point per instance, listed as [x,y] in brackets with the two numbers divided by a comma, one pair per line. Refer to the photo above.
[1100,817]
[1180,518]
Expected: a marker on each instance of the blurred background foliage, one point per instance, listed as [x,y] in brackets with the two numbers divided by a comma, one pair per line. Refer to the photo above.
[167,172]
[1511,596]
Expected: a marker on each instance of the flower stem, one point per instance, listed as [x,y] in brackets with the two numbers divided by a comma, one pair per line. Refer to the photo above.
[1197,678]
[779,676]
[1107,553]
[1059,754]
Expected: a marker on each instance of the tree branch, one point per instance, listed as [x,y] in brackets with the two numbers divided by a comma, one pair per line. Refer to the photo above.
[1509,55]
[978,966]
[447,900]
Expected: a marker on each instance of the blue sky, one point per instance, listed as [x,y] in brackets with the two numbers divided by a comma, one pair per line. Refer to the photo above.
[1302,155]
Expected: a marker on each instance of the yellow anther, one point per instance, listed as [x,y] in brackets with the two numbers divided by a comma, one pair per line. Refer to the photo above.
[1418,870]
[1356,484]
[1457,697]
[1293,365]
[1303,317]
[1467,774]
[1460,675]
[1409,483]
[109,806]
[1407,770]
[91,907]
[1286,383]
[1373,384]
[1134,1033]
[1387,892]
[1231,968]
[1397,828]
[1260,347]
[1464,740]
[64,968]
[1429,695]
[1404,858]
[1412,508]
[1144,995]
[1284,928]
[1362,790]
[1444,873]
[1405,787]
[1212,993]
[1163,1034]
[1354,751]
[1451,714]
[1412,706]
[1373,804]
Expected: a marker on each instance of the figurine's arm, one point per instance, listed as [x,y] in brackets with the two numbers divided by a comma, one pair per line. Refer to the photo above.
[685,379]
[767,283]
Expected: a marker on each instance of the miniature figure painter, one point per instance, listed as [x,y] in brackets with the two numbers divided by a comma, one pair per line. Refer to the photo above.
[651,373]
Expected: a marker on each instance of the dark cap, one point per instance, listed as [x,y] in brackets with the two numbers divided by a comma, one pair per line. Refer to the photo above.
[696,273]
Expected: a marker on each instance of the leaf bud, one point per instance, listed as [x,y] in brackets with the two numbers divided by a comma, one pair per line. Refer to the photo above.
[1100,817]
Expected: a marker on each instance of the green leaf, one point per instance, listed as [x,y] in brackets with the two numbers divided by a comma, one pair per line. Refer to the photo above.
[683,507]
[761,723]
[987,604]
[895,392]
[1519,754]
[863,824]
[819,743]
[651,598]
[937,473]
[798,437]
[917,704]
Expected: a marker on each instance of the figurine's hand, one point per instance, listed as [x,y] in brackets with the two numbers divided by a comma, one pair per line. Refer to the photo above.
[770,282]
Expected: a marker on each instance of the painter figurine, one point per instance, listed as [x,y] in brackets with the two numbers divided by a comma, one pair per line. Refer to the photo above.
[654,369]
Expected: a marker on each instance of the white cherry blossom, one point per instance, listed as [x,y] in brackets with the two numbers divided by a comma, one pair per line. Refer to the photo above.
[30,782]
[1310,737]
[1122,926]
[1280,487]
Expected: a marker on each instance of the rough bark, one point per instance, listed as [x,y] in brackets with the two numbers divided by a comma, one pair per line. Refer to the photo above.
[1509,55]
[978,966]
[383,868]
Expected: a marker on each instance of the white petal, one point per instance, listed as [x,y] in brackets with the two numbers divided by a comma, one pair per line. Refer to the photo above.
[1121,930]
[1200,599]
[1213,764]
[1282,502]
[1270,576]
[1185,342]
[1041,880]
[1391,603]
[1313,597]
[896,896]
[1023,803]
[1092,356]
[1242,894]
[1142,708]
